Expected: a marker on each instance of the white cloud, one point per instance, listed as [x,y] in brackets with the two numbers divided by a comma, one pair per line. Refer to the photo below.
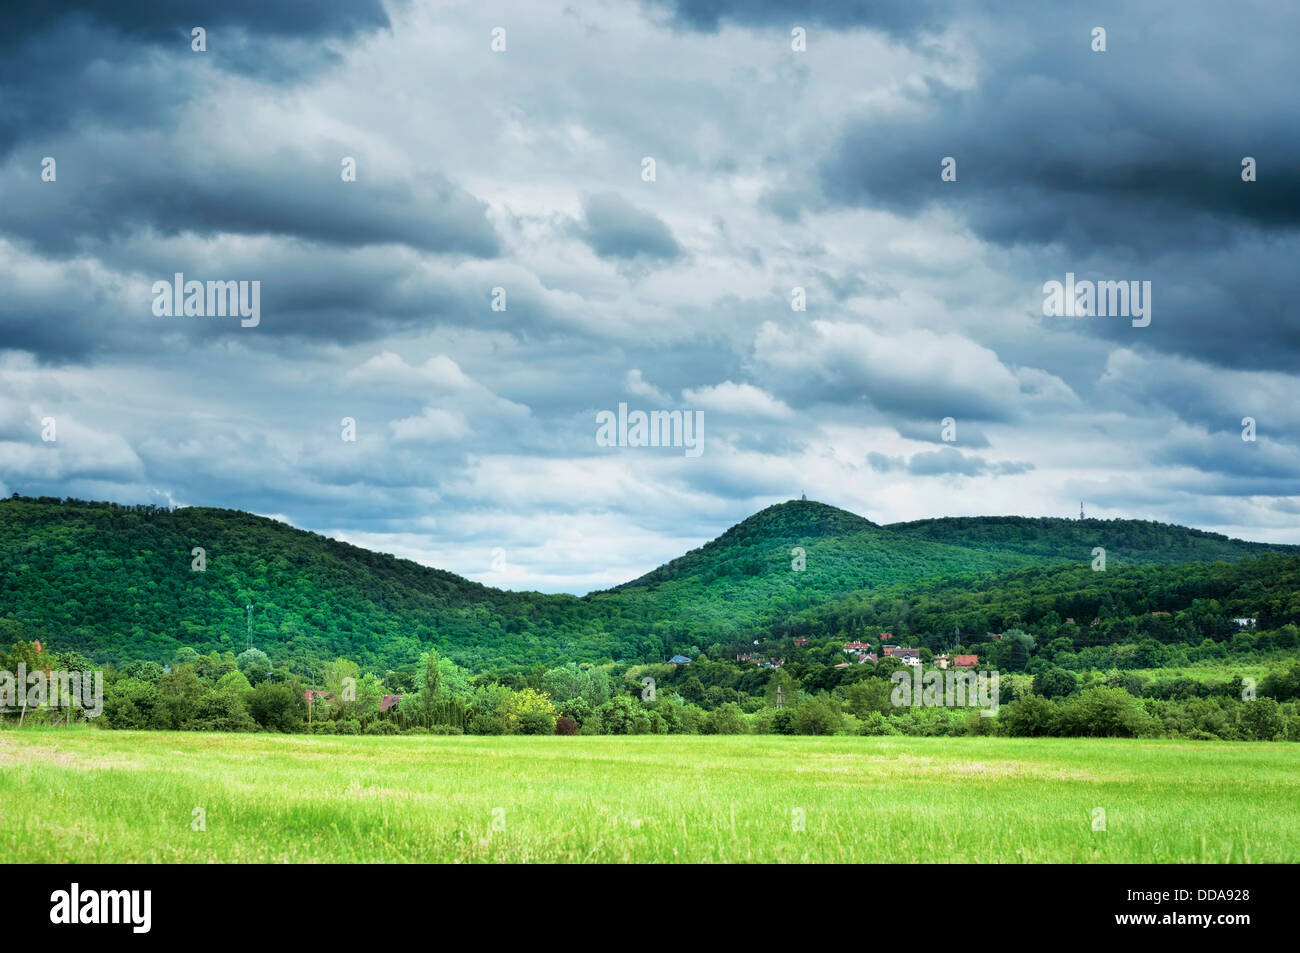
[433,425]
[742,400]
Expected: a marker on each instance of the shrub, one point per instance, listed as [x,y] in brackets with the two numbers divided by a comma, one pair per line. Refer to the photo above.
[530,712]
[1030,717]
[488,723]
[1104,712]
[1261,720]
[874,723]
[277,707]
[535,723]
[783,722]
[725,720]
[564,725]
[818,716]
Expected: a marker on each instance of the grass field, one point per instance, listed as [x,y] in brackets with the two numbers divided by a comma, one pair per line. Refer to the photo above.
[70,795]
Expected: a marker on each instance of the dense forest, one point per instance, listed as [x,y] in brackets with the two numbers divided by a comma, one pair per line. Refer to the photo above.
[784,624]
[1125,541]
[124,583]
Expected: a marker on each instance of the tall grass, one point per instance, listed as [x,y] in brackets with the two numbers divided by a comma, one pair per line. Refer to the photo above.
[99,796]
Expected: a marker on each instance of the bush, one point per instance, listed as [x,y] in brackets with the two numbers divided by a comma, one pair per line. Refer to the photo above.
[530,712]
[725,720]
[564,725]
[1261,720]
[277,707]
[783,722]
[818,716]
[535,723]
[1103,712]
[1030,717]
[874,723]
[348,726]
[488,723]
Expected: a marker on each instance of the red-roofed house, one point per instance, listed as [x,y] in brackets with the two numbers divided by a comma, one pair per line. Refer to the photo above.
[389,702]
[897,651]
[856,646]
[965,661]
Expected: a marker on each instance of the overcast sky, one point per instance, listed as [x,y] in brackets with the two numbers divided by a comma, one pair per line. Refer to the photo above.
[775,169]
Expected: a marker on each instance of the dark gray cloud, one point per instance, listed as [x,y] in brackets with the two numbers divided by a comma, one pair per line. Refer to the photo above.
[1126,163]
[776,170]
[615,228]
[130,64]
[291,194]
[158,21]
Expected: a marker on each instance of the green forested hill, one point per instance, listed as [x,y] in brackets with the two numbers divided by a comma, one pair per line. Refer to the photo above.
[1125,541]
[1185,603]
[747,575]
[116,583]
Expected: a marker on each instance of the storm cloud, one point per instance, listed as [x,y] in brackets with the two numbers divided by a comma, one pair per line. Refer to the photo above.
[457,250]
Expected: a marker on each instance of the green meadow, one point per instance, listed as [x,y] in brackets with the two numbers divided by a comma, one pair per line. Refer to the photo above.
[84,795]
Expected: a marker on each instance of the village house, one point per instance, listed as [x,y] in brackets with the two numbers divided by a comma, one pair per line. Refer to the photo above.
[965,661]
[897,651]
[679,660]
[867,657]
[856,646]
[941,661]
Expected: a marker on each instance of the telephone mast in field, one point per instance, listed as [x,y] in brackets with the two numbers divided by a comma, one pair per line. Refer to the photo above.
[249,607]
[1081,509]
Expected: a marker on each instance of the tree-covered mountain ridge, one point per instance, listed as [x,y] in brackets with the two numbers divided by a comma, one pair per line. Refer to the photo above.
[120,582]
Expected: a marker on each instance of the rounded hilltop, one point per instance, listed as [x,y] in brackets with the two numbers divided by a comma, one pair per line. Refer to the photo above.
[801,518]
